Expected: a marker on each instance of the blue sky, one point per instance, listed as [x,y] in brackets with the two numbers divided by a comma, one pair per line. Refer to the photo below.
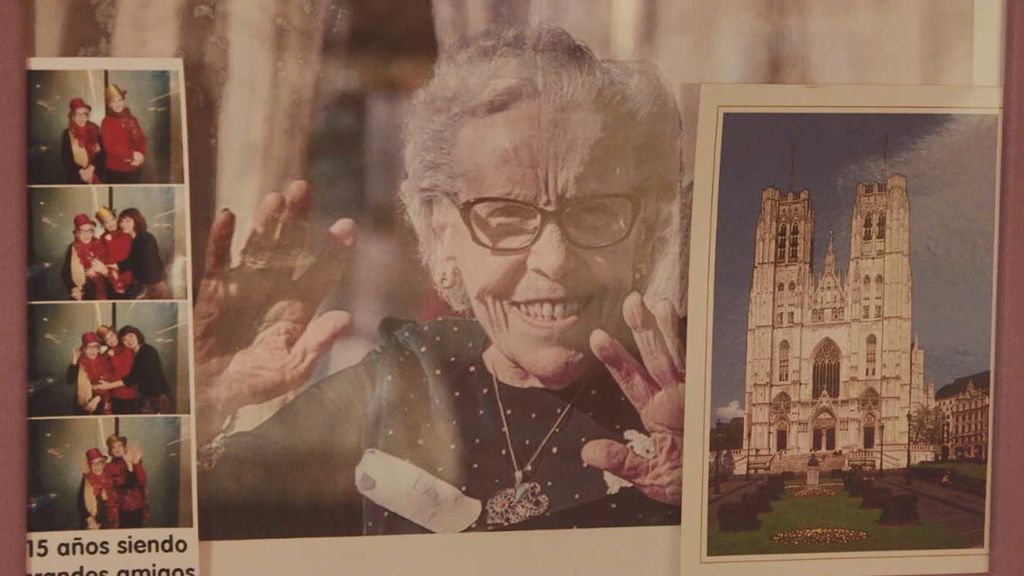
[950,164]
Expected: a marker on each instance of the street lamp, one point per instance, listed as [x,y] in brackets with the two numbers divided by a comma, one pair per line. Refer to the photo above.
[881,450]
[718,457]
[749,432]
[907,477]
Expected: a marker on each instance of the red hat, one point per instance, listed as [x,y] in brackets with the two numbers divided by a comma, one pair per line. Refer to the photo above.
[94,454]
[90,338]
[77,103]
[81,220]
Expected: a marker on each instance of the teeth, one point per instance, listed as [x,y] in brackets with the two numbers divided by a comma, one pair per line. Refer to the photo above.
[549,311]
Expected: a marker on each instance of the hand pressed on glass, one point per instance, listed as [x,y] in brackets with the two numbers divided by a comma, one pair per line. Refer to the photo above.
[256,337]
[655,388]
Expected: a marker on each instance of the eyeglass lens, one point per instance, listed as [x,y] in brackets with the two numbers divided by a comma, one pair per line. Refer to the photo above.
[587,222]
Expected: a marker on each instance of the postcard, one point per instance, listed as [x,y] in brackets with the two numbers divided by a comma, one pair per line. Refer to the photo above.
[840,330]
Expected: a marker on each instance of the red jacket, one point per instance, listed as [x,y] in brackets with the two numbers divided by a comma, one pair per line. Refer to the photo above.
[121,360]
[122,135]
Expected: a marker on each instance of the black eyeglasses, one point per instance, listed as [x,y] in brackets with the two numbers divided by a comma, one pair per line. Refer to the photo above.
[506,225]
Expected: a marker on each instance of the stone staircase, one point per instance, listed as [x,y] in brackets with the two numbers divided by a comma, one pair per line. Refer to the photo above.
[797,463]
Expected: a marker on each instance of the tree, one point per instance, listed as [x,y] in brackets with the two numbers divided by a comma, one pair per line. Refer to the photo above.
[927,425]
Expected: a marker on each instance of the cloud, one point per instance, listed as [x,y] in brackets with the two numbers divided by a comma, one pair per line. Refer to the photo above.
[729,411]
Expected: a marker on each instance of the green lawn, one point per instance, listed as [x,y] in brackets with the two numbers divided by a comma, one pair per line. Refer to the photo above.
[972,470]
[839,511]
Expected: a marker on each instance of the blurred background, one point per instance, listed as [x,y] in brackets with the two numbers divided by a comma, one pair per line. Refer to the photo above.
[57,448]
[55,330]
[152,96]
[52,210]
[278,89]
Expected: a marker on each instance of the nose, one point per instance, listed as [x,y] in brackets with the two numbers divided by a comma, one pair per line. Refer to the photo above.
[551,255]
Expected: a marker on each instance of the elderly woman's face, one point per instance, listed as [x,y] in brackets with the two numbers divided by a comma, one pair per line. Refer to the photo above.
[540,303]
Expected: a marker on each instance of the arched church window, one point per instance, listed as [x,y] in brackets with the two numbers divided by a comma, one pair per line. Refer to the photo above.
[784,361]
[780,243]
[781,286]
[871,355]
[881,225]
[826,370]
[781,404]
[868,401]
[867,227]
[794,240]
[792,286]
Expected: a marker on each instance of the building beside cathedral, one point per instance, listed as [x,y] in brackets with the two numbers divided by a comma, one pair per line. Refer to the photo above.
[964,405]
[831,362]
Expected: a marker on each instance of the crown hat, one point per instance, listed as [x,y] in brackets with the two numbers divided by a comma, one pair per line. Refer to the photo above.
[114,90]
[90,338]
[104,213]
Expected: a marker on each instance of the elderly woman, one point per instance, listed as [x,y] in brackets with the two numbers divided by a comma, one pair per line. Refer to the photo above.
[544,189]
[96,504]
[80,151]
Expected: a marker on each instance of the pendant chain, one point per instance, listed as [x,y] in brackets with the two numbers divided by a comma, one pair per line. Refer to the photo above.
[508,432]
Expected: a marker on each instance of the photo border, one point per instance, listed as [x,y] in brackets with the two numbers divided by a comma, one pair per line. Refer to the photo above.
[716,100]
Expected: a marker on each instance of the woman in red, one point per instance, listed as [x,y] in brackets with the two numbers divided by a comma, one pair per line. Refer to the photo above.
[128,483]
[122,396]
[123,139]
[84,271]
[80,145]
[88,368]
[118,245]
[96,498]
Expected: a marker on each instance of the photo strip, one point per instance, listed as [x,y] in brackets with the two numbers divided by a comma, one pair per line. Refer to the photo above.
[111,457]
[841,330]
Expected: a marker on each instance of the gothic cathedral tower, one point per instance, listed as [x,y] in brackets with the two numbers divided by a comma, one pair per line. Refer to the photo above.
[883,353]
[782,280]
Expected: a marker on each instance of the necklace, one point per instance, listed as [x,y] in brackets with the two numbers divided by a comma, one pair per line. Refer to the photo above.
[524,500]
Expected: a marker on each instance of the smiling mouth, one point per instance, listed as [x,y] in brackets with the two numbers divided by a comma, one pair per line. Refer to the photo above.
[551,310]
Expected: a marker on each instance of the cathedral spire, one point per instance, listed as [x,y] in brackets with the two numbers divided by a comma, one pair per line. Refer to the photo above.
[830,257]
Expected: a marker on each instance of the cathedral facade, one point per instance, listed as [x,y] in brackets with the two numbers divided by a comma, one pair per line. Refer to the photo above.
[831,360]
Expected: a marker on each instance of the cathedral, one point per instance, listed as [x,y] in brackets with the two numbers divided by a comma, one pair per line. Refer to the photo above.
[831,360]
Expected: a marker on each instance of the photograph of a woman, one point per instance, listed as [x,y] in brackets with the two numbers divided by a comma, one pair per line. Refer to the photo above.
[108,359]
[127,480]
[128,244]
[133,136]
[96,500]
[143,263]
[113,487]
[116,372]
[543,186]
[123,138]
[81,151]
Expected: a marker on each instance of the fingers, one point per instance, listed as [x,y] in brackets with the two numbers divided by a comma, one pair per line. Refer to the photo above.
[668,322]
[293,225]
[315,340]
[268,215]
[218,249]
[616,458]
[626,370]
[320,273]
[650,342]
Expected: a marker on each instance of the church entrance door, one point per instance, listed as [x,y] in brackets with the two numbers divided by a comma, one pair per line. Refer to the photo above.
[824,437]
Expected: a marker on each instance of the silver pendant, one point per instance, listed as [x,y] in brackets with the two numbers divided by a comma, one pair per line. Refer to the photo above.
[514,505]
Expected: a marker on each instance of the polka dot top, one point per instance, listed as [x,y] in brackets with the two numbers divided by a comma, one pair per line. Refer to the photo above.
[426,398]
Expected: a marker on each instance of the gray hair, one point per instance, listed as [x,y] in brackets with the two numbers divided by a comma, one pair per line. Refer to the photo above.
[500,69]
